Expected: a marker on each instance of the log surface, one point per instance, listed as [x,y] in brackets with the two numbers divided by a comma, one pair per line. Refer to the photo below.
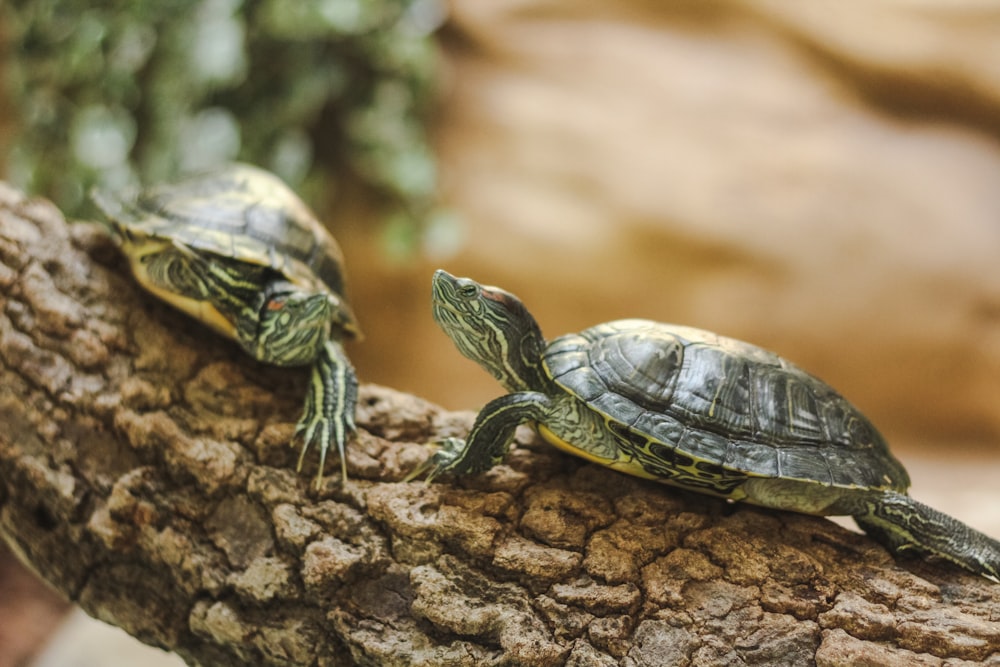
[146,473]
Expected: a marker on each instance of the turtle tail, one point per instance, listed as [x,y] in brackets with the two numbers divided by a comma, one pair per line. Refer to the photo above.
[901,523]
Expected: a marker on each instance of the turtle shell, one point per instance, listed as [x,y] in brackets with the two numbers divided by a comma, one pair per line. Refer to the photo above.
[240,212]
[727,406]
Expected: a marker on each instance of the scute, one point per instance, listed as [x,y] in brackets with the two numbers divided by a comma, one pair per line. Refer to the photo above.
[244,213]
[639,365]
[756,456]
[728,405]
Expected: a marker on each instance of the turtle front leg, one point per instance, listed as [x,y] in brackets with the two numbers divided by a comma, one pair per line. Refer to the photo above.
[490,437]
[329,412]
[901,523]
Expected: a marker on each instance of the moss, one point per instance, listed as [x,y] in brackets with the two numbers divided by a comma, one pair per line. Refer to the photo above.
[139,92]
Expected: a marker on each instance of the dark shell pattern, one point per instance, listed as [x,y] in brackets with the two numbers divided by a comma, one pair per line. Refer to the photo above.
[675,390]
[244,213]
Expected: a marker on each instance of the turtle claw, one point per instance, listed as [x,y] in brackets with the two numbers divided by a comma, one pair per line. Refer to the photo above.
[320,433]
[421,469]
[438,462]
[329,414]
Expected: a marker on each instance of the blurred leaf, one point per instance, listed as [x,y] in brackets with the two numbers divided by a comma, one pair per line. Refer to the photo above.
[138,92]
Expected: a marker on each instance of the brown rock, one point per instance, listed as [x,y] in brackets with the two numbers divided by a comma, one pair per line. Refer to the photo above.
[201,539]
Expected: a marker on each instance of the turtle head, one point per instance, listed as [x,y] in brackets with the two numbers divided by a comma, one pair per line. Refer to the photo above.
[492,327]
[293,327]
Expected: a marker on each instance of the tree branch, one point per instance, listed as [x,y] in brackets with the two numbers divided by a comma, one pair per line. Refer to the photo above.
[146,473]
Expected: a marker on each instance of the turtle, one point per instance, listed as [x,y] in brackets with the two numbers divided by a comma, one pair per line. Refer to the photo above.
[238,250]
[689,408]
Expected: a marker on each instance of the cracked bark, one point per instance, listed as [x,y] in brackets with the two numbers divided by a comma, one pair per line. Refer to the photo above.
[145,473]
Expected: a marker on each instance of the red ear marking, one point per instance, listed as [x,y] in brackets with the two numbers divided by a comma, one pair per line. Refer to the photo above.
[499,297]
[275,304]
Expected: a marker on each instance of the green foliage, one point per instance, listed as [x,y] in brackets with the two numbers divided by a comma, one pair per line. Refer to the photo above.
[122,93]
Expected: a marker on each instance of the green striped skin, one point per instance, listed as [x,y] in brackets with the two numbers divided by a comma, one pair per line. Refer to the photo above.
[692,409]
[237,250]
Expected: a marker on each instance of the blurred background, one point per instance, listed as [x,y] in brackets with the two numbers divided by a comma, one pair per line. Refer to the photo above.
[821,178]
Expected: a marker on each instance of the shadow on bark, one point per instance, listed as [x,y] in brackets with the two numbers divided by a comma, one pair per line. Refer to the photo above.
[146,473]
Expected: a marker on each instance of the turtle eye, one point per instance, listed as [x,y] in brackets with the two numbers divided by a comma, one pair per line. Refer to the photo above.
[468,291]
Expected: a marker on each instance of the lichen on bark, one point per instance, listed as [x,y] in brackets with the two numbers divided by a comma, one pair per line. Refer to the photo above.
[146,473]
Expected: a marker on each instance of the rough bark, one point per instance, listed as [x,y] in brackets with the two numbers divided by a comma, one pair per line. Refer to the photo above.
[146,473]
